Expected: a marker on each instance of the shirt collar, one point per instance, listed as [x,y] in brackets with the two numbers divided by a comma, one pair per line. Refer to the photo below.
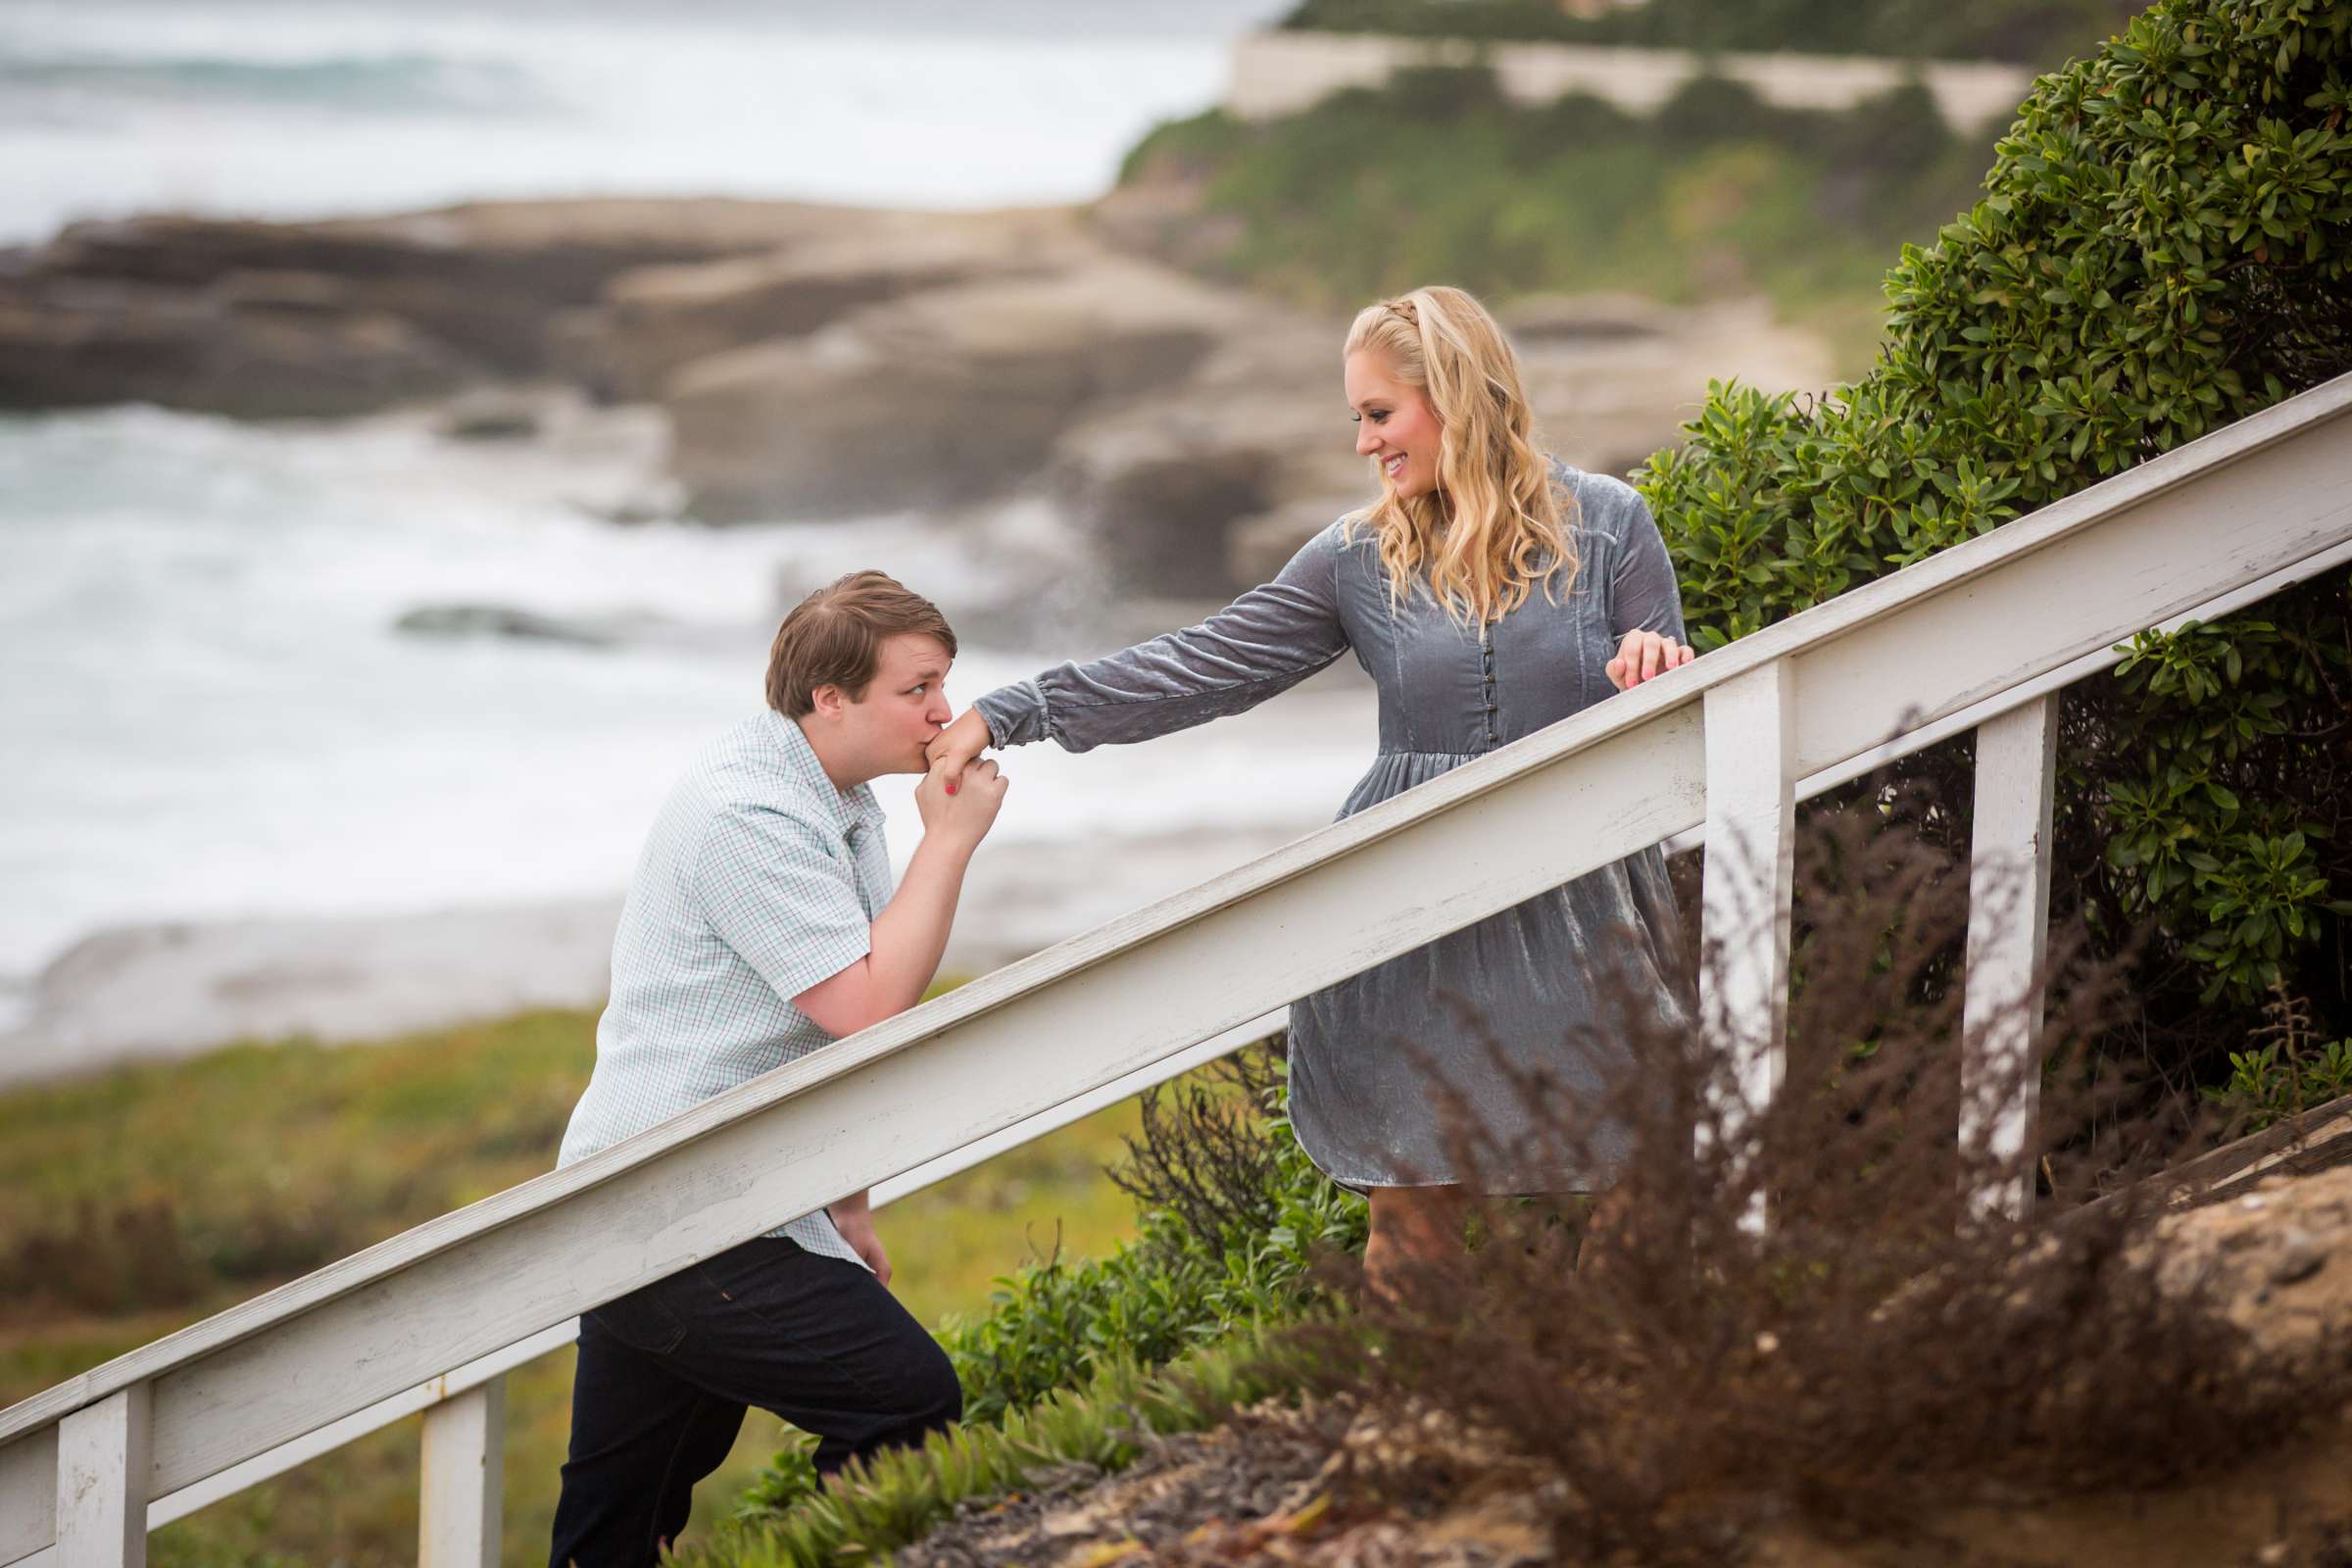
[855,808]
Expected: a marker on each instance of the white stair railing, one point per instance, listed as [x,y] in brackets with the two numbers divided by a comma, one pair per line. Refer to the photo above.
[1979,636]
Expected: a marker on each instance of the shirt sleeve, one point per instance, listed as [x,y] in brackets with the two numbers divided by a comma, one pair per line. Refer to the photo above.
[773,890]
[1643,595]
[1265,642]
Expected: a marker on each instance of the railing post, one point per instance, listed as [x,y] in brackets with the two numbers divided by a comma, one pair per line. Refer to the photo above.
[1750,844]
[460,1484]
[104,1464]
[2008,940]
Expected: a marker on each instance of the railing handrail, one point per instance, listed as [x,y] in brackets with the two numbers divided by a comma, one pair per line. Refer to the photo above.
[1814,634]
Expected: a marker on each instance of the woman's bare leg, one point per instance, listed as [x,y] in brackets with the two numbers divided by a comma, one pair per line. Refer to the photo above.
[1412,1226]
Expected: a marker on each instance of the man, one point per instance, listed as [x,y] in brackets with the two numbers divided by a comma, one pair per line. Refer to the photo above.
[760,926]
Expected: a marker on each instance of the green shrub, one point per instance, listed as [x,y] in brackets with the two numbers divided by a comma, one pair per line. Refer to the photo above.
[1056,1324]
[2164,245]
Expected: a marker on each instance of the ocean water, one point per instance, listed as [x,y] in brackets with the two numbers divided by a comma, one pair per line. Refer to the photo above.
[209,711]
[205,707]
[309,108]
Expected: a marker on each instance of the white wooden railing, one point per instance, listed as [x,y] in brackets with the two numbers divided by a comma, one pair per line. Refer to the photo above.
[1983,636]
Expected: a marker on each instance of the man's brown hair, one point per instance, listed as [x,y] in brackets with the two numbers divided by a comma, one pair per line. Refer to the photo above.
[834,637]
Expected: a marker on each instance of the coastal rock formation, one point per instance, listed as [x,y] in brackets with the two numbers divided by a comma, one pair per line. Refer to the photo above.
[940,398]
[1165,484]
[267,319]
[824,362]
[229,348]
[656,319]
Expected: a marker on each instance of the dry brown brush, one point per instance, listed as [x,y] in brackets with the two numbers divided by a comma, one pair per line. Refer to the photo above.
[1879,1347]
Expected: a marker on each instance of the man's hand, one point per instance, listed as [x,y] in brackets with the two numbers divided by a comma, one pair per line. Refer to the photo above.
[959,808]
[856,1222]
[1640,656]
[955,746]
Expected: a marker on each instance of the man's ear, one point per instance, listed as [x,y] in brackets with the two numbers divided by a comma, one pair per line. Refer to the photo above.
[825,702]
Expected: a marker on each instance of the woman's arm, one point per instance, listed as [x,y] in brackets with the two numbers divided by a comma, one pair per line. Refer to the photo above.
[1268,641]
[1645,602]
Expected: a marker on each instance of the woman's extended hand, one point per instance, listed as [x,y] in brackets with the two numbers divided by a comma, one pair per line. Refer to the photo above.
[1643,654]
[956,745]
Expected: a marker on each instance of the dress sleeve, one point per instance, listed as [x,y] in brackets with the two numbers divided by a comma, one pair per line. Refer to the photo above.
[1643,595]
[1268,641]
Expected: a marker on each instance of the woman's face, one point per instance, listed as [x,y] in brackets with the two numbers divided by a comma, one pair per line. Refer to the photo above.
[1395,425]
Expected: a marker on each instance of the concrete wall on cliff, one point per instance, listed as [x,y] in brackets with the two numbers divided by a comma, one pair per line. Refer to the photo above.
[1280,73]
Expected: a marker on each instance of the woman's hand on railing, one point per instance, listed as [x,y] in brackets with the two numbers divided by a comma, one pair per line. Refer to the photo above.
[1643,655]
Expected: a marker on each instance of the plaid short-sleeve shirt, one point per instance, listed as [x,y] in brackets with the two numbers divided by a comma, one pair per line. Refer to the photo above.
[758,880]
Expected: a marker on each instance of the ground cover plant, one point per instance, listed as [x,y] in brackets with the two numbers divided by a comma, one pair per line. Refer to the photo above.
[2164,245]
[1095,1428]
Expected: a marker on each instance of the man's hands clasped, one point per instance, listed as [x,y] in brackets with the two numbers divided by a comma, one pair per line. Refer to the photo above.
[960,793]
[959,803]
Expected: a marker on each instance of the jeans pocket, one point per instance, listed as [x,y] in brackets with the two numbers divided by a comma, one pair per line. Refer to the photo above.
[643,1321]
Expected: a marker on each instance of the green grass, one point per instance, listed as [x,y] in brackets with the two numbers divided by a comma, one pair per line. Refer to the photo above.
[136,1203]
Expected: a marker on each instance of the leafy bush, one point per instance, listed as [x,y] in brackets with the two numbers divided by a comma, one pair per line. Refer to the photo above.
[2164,245]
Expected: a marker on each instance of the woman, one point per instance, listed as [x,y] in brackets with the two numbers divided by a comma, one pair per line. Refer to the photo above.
[1489,591]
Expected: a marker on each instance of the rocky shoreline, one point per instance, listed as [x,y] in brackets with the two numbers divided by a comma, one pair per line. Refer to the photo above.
[826,361]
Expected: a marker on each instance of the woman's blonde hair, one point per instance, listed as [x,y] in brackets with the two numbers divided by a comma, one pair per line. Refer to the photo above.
[1495,524]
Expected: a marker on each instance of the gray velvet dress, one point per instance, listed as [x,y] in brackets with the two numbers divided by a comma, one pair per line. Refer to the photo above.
[1517,991]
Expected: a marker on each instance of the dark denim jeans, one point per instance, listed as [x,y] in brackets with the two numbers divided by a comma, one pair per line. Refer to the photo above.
[667,1372]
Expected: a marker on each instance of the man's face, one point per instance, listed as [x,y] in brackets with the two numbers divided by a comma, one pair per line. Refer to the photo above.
[905,705]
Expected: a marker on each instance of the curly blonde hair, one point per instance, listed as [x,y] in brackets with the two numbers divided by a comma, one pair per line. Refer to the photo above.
[1495,524]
